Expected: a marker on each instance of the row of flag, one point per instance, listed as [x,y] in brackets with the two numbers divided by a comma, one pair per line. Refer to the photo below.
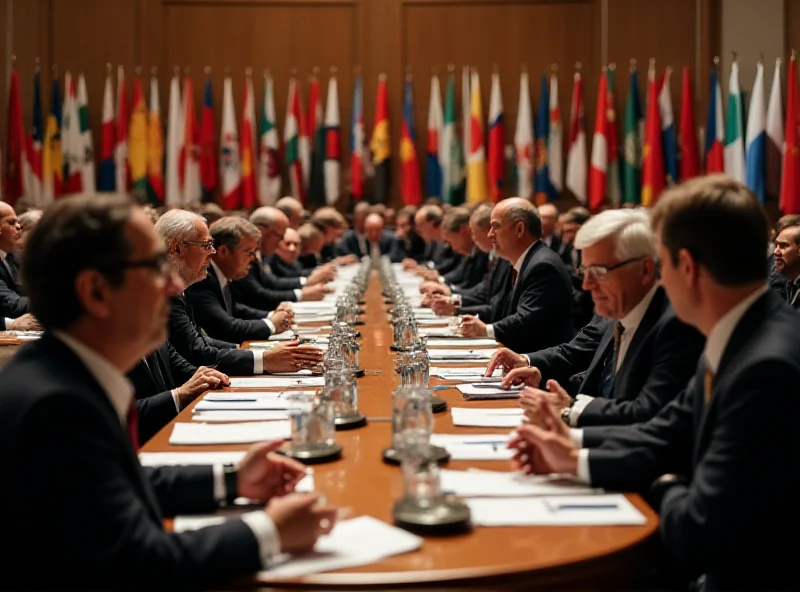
[246,161]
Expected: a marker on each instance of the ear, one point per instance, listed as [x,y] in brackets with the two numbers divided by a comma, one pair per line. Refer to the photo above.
[649,269]
[688,266]
[92,290]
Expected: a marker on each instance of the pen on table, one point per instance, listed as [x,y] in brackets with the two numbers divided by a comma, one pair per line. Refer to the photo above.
[483,442]
[586,507]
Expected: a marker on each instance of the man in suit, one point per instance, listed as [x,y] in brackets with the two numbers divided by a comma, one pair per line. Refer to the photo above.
[293,210]
[312,240]
[13,302]
[378,242]
[354,241]
[709,450]
[637,364]
[283,261]
[333,226]
[189,248]
[787,262]
[438,258]
[408,244]
[97,277]
[536,310]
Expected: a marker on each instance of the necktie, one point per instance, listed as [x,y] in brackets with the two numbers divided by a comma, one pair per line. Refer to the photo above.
[132,425]
[610,363]
[708,385]
[513,278]
[13,267]
[226,294]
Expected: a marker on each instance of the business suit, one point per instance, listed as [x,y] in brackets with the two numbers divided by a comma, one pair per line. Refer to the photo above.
[411,248]
[736,451]
[351,245]
[282,269]
[252,290]
[492,286]
[153,381]
[536,312]
[446,259]
[470,272]
[13,302]
[241,323]
[60,433]
[660,360]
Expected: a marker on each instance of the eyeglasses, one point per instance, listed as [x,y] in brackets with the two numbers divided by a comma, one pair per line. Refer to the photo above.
[205,245]
[159,264]
[598,273]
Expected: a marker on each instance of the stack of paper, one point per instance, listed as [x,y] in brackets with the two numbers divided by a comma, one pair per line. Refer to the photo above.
[192,434]
[239,415]
[578,510]
[487,418]
[424,321]
[448,356]
[505,484]
[479,391]
[462,374]
[474,446]
[462,341]
[269,399]
[276,382]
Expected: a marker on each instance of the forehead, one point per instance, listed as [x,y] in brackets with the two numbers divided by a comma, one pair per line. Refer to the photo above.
[200,230]
[141,235]
[602,251]
[789,235]
[6,211]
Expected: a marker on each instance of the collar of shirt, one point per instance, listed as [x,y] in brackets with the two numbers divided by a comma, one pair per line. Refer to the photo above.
[223,281]
[719,336]
[3,255]
[118,389]
[521,260]
[631,320]
[548,240]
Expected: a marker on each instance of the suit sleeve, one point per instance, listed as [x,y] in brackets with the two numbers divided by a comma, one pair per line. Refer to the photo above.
[674,361]
[476,295]
[212,317]
[250,292]
[562,361]
[12,305]
[181,369]
[484,311]
[155,412]
[109,535]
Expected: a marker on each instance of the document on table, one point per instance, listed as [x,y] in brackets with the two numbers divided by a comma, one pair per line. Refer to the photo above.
[462,374]
[265,397]
[239,415]
[487,391]
[191,434]
[461,341]
[505,484]
[243,404]
[577,510]
[268,382]
[461,354]
[487,418]
[317,318]
[424,321]
[474,446]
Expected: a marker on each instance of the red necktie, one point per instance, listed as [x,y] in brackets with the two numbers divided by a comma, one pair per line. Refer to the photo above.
[133,425]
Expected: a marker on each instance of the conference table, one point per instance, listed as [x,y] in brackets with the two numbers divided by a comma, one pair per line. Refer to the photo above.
[486,558]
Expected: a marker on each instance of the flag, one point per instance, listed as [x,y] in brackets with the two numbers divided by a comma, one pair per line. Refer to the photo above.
[291,140]
[332,144]
[790,186]
[303,143]
[774,143]
[247,152]
[122,182]
[189,172]
[523,139]
[543,187]
[71,138]
[269,169]
[576,155]
[451,157]
[108,140]
[497,141]
[757,137]
[669,143]
[734,134]
[555,141]
[613,189]
[33,160]
[230,174]
[433,169]
[715,138]
[52,161]
[689,157]
[208,145]
[137,141]
[357,139]
[175,123]
[316,130]
[476,164]
[409,166]
[597,172]
[632,161]
[466,99]
[155,147]
[653,166]
[15,147]
[87,145]
[380,145]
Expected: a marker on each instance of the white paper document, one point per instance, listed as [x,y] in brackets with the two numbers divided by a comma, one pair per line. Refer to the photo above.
[462,341]
[477,355]
[487,418]
[243,404]
[474,446]
[426,321]
[465,374]
[265,397]
[483,390]
[475,483]
[276,382]
[578,510]
[317,318]
[192,434]
[243,415]
[285,336]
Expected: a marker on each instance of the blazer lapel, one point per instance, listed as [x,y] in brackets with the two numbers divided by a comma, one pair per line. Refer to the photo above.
[591,379]
[525,263]
[650,318]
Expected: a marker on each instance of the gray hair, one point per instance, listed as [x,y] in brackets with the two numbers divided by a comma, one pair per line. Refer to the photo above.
[456,219]
[631,229]
[266,216]
[177,225]
[29,219]
[482,216]
[528,215]
[289,204]
[230,230]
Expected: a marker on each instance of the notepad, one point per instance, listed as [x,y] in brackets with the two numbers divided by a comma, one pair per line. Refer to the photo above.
[507,484]
[260,396]
[425,321]
[243,404]
[485,391]
[268,382]
[474,446]
[457,341]
[464,374]
[460,354]
[239,415]
[487,418]
[578,510]
[192,434]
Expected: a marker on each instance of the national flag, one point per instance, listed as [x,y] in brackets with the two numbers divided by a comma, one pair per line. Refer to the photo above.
[715,130]
[304,142]
[316,130]
[230,175]
[209,170]
[15,147]
[137,140]
[632,151]
[291,141]
[523,139]
[380,144]
[689,157]
[613,189]
[190,153]
[734,132]
[669,143]
[433,169]
[52,161]
[269,169]
[33,160]
[790,186]
[775,138]
[122,182]
[409,165]
[155,147]
[466,107]
[175,123]
[107,179]
[757,137]
[555,140]
[71,139]
[653,167]
[333,143]
[476,164]
[597,172]
[451,157]
[247,152]
[497,141]
[87,145]
[357,140]
[576,155]
[543,188]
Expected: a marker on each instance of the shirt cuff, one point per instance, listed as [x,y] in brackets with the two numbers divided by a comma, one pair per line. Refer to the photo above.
[219,483]
[258,362]
[441,280]
[271,326]
[303,281]
[298,294]
[490,331]
[576,435]
[581,401]
[176,399]
[583,466]
[7,322]
[269,542]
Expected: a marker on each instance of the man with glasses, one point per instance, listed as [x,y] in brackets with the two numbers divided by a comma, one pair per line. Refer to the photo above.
[634,357]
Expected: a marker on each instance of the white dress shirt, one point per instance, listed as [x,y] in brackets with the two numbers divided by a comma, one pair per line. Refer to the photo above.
[716,343]
[223,281]
[119,391]
[518,269]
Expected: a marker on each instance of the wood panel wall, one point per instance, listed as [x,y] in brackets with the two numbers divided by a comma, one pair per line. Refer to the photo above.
[390,36]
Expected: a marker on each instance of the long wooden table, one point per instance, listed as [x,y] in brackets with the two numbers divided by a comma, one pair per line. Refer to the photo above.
[515,558]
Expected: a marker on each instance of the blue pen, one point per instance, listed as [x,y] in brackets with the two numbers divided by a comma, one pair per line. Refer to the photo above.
[485,442]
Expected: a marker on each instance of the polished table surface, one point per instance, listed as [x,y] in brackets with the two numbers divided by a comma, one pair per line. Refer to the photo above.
[596,557]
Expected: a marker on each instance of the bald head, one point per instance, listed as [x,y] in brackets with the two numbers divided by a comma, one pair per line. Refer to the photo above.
[9,228]
[428,221]
[514,226]
[272,223]
[293,210]
[373,227]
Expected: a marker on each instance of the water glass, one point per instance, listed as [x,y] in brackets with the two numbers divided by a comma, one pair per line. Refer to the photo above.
[312,421]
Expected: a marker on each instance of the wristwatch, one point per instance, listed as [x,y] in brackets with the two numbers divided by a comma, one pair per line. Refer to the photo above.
[231,490]
[565,412]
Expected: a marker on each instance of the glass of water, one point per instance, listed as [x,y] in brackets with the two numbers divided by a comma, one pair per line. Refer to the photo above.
[312,421]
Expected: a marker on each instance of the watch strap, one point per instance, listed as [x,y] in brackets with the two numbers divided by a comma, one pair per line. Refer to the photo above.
[231,489]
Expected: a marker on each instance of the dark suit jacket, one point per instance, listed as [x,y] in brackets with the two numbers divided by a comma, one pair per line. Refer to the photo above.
[736,453]
[254,289]
[13,303]
[208,303]
[446,259]
[282,269]
[412,248]
[60,434]
[309,262]
[660,360]
[537,312]
[470,272]
[198,349]
[492,286]
[153,391]
[328,253]
[350,245]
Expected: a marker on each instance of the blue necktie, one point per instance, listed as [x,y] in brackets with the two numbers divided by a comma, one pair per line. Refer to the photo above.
[610,364]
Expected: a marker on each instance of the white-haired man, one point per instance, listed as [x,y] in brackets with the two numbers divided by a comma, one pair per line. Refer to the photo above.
[631,368]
